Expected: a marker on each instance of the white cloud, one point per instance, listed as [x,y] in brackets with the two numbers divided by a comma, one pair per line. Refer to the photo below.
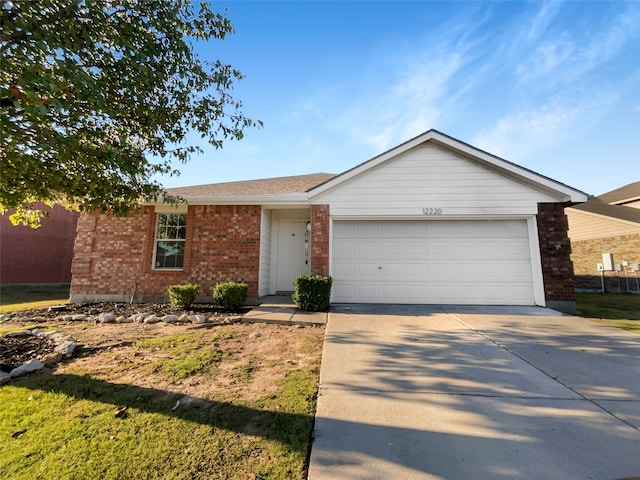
[558,121]
[409,105]
[546,15]
[566,56]
[546,58]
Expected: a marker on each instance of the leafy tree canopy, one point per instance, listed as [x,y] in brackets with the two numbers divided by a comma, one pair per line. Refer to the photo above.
[97,97]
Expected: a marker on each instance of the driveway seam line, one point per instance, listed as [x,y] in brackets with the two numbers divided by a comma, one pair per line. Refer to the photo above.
[451,394]
[506,349]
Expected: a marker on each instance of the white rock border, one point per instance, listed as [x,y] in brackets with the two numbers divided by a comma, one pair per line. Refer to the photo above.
[64,348]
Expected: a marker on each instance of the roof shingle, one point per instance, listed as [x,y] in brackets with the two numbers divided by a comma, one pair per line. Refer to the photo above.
[249,188]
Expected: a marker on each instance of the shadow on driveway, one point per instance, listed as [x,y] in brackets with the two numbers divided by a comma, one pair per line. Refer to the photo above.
[475,393]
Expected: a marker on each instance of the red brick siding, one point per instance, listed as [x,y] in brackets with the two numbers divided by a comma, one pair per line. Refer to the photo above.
[587,253]
[320,239]
[41,255]
[113,253]
[109,253]
[557,269]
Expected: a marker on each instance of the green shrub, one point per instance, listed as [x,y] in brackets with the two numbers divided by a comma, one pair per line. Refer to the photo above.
[182,295]
[313,293]
[230,295]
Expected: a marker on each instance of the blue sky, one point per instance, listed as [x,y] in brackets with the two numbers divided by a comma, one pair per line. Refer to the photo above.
[552,86]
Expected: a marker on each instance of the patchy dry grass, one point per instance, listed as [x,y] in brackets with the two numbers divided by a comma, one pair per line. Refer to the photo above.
[208,403]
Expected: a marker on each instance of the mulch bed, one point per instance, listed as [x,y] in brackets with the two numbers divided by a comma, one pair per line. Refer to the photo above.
[14,351]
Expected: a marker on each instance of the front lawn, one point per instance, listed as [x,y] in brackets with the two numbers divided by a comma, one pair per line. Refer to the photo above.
[620,310]
[14,298]
[166,401]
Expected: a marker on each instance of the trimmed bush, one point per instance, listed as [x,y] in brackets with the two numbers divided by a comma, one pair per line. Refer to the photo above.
[313,292]
[230,295]
[182,295]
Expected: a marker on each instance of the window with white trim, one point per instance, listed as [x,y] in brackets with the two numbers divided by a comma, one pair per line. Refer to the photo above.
[171,233]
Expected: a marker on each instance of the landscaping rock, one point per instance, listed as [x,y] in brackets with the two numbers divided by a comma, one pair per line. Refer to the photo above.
[94,311]
[79,317]
[4,377]
[57,308]
[4,317]
[170,319]
[123,319]
[107,317]
[139,317]
[66,348]
[151,319]
[28,367]
[184,318]
[20,333]
[198,318]
[51,358]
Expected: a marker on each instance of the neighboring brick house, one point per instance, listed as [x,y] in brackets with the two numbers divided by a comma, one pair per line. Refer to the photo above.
[609,223]
[432,221]
[42,255]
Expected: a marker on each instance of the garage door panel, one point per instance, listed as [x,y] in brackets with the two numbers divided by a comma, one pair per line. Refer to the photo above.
[366,270]
[368,292]
[472,262]
[365,249]
[344,290]
[344,270]
[417,270]
[344,249]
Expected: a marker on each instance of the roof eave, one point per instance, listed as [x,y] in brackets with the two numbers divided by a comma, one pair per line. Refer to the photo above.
[557,189]
[283,199]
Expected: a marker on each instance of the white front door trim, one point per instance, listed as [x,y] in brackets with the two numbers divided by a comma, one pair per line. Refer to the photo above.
[288,254]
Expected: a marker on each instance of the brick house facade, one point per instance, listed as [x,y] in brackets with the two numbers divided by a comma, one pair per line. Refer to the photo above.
[265,232]
[609,223]
[555,252]
[37,256]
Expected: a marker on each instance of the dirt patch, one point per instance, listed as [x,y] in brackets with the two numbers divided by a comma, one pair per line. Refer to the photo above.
[126,310]
[14,351]
[252,357]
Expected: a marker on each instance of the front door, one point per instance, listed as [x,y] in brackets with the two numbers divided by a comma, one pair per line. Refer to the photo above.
[292,254]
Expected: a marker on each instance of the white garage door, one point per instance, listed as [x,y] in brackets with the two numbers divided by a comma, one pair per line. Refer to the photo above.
[432,262]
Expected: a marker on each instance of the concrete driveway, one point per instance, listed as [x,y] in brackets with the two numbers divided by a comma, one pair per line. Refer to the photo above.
[422,392]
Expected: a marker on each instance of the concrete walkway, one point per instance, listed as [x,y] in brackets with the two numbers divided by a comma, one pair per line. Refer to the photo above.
[281,310]
[410,392]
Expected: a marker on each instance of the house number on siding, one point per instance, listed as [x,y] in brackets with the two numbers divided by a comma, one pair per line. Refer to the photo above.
[432,211]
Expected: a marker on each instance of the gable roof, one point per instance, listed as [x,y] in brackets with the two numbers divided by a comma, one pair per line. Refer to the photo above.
[619,212]
[252,191]
[622,195]
[559,190]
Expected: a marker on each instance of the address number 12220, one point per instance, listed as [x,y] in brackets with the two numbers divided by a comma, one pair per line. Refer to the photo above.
[432,211]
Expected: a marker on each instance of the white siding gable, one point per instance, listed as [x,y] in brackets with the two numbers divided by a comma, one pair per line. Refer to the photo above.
[431,177]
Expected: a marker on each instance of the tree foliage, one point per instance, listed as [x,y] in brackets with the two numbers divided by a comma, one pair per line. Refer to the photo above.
[97,97]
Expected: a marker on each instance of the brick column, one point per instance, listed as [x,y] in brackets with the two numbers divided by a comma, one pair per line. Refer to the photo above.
[555,254]
[320,238]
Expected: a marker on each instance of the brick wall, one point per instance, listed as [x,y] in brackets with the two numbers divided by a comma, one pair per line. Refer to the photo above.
[320,239]
[41,255]
[557,268]
[114,254]
[587,253]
